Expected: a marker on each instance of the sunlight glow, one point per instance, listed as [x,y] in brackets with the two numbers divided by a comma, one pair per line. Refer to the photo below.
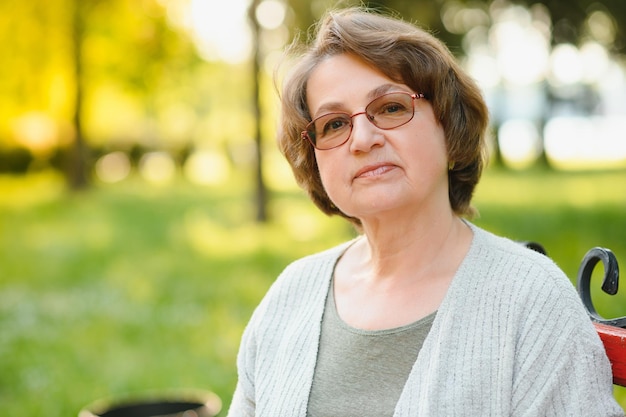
[157,168]
[36,131]
[512,60]
[484,68]
[522,52]
[586,141]
[207,168]
[596,61]
[458,18]
[601,27]
[271,14]
[566,64]
[520,142]
[513,51]
[113,167]
[219,29]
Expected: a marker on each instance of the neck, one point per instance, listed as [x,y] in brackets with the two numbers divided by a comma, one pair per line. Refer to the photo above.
[414,249]
[394,276]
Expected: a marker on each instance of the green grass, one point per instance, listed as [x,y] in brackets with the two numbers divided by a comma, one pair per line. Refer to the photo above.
[130,287]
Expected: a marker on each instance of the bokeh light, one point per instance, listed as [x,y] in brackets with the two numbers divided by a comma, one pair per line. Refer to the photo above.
[520,142]
[113,167]
[543,97]
[575,142]
[219,28]
[157,168]
[207,168]
[271,14]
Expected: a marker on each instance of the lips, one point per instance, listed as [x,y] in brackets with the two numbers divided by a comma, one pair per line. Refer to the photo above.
[374,170]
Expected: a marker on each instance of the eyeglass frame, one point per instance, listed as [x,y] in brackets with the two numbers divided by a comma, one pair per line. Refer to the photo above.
[305,133]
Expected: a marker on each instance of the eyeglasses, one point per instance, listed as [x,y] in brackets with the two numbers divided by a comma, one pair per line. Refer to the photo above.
[386,112]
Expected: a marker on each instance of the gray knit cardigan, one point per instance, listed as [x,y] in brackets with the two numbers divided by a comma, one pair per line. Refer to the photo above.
[511,338]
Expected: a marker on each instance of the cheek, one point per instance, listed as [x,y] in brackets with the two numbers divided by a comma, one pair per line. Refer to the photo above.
[326,171]
[433,146]
[330,174]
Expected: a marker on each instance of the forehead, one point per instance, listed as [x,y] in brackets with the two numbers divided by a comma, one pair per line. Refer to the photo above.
[343,82]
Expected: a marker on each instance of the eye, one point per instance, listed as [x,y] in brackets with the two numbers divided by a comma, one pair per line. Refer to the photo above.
[394,108]
[391,108]
[390,105]
[331,124]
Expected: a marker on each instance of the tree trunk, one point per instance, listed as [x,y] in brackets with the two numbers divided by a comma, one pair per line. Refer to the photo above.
[261,189]
[78,152]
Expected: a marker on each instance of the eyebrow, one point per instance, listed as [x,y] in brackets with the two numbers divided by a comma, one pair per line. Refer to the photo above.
[380,90]
[334,106]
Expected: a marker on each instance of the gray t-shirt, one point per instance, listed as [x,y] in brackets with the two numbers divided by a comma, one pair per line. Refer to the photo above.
[361,373]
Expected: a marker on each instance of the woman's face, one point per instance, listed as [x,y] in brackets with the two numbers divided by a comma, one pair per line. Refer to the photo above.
[377,173]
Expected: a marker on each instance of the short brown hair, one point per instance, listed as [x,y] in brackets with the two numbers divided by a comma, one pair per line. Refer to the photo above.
[405,54]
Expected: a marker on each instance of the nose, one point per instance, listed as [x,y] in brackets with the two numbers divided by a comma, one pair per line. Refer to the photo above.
[364,135]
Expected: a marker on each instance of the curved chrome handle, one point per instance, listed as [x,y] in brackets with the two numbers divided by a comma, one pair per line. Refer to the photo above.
[609,283]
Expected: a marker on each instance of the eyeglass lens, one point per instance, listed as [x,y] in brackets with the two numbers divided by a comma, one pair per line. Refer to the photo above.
[385,112]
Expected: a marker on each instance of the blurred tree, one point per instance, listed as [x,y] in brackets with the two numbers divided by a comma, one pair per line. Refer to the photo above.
[59,56]
[77,155]
[32,77]
[260,186]
[127,48]
[569,17]
[573,22]
[102,73]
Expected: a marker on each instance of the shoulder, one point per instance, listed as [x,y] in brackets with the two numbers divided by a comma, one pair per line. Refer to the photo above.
[514,259]
[525,278]
[505,287]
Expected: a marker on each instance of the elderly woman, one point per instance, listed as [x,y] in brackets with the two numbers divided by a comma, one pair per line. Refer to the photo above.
[423,314]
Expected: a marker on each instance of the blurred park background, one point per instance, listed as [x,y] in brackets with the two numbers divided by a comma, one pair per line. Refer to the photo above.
[145,210]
